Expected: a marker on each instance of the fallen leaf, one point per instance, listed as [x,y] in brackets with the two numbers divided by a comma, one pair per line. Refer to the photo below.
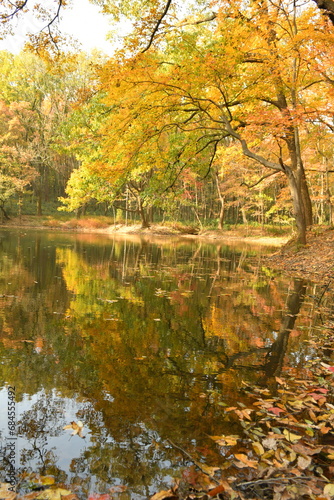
[245,460]
[270,443]
[306,450]
[303,462]
[225,440]
[118,488]
[324,429]
[46,480]
[5,492]
[97,496]
[293,438]
[164,495]
[76,427]
[216,491]
[258,448]
[276,410]
[53,494]
[206,469]
[329,489]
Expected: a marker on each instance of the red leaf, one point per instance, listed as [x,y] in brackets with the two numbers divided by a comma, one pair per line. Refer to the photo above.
[96,496]
[275,410]
[316,396]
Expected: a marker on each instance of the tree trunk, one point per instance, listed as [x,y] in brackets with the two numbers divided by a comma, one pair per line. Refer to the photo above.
[298,206]
[244,216]
[307,204]
[221,201]
[143,214]
[4,214]
[39,202]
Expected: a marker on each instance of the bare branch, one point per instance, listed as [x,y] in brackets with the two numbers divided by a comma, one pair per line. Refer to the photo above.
[168,4]
[207,19]
[250,186]
[17,9]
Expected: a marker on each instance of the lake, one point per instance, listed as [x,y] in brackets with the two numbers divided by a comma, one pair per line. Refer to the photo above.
[146,343]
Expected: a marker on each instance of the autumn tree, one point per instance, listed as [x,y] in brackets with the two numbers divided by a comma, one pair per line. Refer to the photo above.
[244,76]
[16,170]
[51,92]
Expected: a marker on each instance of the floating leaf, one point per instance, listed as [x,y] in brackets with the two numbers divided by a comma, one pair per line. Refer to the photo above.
[245,460]
[210,471]
[164,495]
[47,480]
[216,491]
[225,440]
[76,427]
[53,494]
[6,492]
[96,496]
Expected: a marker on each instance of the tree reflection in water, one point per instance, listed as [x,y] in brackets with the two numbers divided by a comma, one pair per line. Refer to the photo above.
[148,340]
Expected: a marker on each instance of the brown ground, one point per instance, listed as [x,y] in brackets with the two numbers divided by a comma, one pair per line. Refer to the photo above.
[315,261]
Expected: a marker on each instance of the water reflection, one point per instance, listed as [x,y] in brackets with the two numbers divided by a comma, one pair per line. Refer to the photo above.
[144,342]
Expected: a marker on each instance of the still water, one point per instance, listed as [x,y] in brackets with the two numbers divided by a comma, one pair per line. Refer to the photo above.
[145,343]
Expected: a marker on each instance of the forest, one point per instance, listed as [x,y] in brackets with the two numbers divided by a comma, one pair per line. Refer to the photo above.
[209,114]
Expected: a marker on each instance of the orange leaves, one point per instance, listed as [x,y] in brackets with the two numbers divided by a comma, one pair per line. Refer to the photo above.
[76,427]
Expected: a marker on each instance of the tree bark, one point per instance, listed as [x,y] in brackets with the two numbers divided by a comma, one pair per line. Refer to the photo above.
[298,207]
[143,214]
[221,201]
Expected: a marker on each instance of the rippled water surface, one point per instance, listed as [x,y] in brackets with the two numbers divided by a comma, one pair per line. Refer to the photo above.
[145,343]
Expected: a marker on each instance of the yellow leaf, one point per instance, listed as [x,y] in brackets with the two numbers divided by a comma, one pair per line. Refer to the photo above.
[206,469]
[293,438]
[225,440]
[258,448]
[53,494]
[6,492]
[163,495]
[329,489]
[47,480]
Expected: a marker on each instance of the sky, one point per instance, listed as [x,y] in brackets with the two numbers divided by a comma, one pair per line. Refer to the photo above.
[83,22]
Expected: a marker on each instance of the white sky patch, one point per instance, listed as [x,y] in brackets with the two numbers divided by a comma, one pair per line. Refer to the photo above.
[83,22]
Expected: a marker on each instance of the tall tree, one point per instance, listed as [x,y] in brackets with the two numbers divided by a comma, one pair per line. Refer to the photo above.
[246,76]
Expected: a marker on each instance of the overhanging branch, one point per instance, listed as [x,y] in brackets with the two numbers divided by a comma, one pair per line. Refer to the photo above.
[168,4]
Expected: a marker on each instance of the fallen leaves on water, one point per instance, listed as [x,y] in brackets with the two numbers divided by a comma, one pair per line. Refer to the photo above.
[96,496]
[76,427]
[225,440]
[53,494]
[167,494]
[164,495]
[6,491]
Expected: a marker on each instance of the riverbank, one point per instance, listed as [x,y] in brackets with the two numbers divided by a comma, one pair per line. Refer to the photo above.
[315,261]
[249,234]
